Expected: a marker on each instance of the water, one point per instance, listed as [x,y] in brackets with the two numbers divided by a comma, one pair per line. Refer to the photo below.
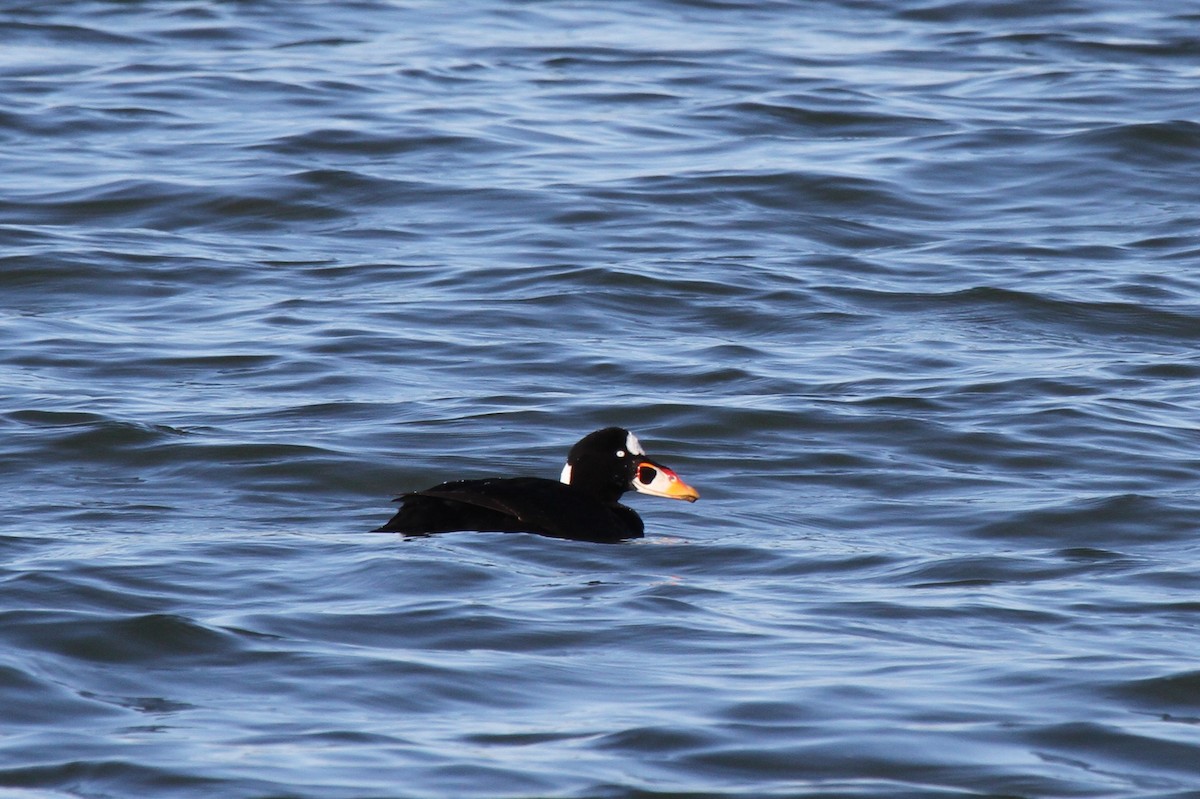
[908,291]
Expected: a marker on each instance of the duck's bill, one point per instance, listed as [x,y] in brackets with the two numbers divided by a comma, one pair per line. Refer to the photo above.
[659,481]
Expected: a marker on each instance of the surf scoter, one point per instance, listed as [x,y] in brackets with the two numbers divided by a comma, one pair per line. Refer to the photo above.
[582,506]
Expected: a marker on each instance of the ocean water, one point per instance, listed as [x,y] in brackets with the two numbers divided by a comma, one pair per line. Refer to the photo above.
[909,291]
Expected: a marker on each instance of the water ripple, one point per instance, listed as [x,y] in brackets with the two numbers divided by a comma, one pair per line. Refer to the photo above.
[907,293]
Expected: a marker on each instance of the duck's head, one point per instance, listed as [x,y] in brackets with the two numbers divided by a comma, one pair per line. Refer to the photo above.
[611,461]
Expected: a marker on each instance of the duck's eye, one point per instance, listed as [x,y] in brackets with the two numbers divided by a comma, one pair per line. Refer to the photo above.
[620,453]
[646,474]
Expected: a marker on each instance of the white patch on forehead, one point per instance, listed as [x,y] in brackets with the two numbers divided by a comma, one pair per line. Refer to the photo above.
[566,475]
[633,445]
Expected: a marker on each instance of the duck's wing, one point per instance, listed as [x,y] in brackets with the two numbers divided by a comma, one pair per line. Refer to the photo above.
[492,494]
[514,504]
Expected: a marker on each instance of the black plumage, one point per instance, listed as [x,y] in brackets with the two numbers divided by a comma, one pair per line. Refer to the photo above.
[583,506]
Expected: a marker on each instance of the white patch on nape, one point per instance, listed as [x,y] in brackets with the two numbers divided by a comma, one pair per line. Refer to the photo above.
[565,477]
[633,445]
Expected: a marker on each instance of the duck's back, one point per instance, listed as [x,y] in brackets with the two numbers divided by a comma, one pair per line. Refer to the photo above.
[514,505]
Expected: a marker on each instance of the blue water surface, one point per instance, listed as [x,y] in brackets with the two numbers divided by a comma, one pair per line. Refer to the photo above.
[909,291]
